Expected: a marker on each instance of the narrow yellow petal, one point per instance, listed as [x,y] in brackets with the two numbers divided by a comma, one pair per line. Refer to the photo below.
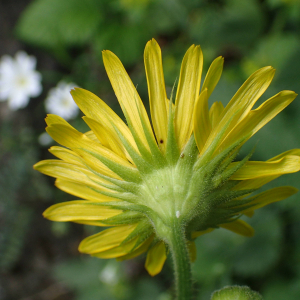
[213,75]
[106,137]
[239,227]
[243,101]
[192,250]
[66,155]
[79,210]
[195,234]
[121,250]
[127,95]
[66,171]
[54,119]
[255,169]
[91,135]
[202,126]
[271,196]
[143,247]
[106,239]
[91,223]
[157,91]
[95,108]
[187,93]
[259,182]
[79,143]
[257,118]
[293,152]
[156,258]
[81,191]
[215,113]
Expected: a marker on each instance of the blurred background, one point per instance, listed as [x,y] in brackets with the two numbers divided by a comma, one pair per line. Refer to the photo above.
[39,259]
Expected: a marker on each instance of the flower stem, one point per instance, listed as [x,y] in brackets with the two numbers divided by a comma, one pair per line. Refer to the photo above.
[181,260]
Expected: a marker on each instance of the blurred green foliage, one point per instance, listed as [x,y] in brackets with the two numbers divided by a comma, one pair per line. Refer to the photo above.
[249,34]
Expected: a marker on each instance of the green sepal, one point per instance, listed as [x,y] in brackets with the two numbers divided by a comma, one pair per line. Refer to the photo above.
[206,156]
[144,228]
[125,206]
[128,174]
[218,197]
[215,165]
[141,163]
[158,159]
[241,203]
[124,196]
[230,171]
[108,186]
[119,185]
[143,150]
[172,151]
[189,154]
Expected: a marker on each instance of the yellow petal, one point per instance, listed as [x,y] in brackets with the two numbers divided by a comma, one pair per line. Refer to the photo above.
[255,169]
[243,101]
[156,258]
[127,95]
[121,250]
[66,171]
[94,108]
[106,137]
[271,196]
[195,234]
[286,153]
[106,239]
[79,210]
[80,144]
[215,113]
[192,250]
[257,118]
[213,75]
[91,223]
[81,191]
[239,227]
[202,126]
[187,93]
[66,155]
[54,119]
[91,135]
[259,182]
[157,91]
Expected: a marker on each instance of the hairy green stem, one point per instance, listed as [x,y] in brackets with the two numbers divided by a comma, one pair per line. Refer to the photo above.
[181,260]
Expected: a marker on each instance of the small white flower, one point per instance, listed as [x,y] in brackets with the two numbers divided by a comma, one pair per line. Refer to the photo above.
[45,139]
[109,274]
[19,80]
[60,101]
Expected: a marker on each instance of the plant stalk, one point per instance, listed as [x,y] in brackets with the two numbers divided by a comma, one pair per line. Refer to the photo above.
[181,259]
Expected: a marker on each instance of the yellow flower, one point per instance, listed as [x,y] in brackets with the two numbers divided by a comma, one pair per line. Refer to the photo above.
[141,181]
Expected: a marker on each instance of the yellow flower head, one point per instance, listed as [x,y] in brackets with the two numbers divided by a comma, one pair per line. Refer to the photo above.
[141,181]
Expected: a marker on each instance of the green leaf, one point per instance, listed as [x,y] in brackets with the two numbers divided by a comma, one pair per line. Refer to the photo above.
[50,23]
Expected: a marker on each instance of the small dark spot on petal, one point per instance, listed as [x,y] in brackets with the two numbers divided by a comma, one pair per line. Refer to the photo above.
[161,141]
[182,155]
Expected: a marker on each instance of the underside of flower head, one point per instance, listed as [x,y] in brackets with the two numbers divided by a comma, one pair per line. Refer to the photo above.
[138,180]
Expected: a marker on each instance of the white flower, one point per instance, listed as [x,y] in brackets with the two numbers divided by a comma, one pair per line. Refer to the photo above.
[60,101]
[45,139]
[19,80]
[110,274]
